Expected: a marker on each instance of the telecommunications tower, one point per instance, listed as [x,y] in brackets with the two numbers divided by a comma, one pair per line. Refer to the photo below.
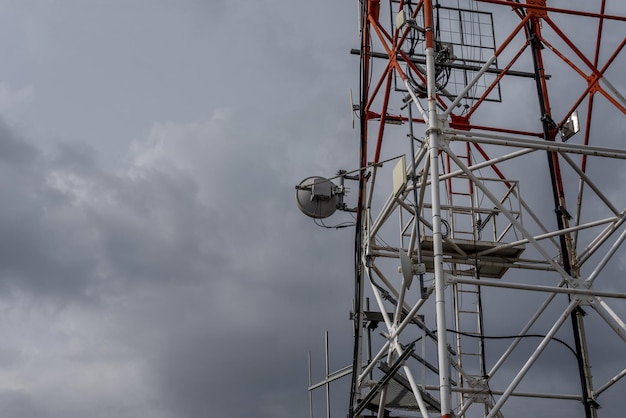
[490,207]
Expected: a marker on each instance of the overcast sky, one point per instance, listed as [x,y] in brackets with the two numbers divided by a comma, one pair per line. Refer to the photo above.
[152,260]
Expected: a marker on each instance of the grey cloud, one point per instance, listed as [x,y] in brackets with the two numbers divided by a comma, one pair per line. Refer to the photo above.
[180,280]
[213,237]
[17,404]
[36,254]
[13,150]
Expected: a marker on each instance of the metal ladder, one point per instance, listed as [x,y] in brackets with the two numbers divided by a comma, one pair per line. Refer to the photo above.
[468,319]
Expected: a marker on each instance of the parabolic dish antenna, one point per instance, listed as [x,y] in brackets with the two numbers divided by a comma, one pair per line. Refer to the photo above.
[316,198]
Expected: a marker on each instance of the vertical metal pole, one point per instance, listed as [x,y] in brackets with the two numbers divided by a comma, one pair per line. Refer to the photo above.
[369,336]
[310,393]
[327,374]
[433,132]
[567,250]
[416,218]
[360,228]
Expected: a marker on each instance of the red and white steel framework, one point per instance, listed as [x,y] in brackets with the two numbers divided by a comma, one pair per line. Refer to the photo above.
[495,272]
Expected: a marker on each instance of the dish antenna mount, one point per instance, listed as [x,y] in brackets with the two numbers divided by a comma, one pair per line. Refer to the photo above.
[319,197]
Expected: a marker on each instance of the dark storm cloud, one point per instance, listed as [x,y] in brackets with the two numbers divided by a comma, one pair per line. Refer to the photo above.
[18,404]
[195,251]
[180,280]
[248,330]
[13,150]
[208,210]
[67,226]
[151,227]
[36,254]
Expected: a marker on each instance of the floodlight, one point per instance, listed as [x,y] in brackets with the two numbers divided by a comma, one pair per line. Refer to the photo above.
[570,127]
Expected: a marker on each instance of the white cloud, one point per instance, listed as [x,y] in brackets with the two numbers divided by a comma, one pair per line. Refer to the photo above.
[11,98]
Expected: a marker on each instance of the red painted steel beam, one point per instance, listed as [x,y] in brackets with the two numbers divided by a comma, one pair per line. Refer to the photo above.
[516,5]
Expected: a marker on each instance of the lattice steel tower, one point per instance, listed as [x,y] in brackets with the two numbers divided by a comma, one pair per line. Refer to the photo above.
[489,209]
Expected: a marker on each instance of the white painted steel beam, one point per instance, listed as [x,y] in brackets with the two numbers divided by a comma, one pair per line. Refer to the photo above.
[533,358]
[590,183]
[537,144]
[607,257]
[610,317]
[548,235]
[506,213]
[611,382]
[600,239]
[539,288]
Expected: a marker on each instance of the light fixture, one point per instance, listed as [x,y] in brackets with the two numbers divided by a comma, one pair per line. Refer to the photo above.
[570,127]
